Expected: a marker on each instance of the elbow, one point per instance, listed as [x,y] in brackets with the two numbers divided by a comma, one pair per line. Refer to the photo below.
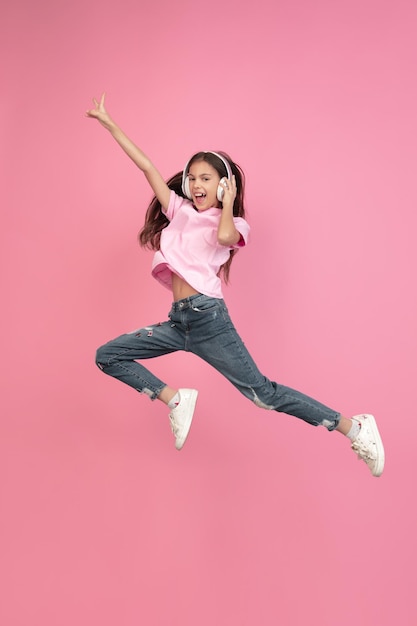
[228,239]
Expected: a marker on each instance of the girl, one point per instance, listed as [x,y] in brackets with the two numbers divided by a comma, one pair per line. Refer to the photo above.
[195,223]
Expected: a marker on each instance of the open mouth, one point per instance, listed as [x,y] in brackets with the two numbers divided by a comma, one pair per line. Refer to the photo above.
[199,197]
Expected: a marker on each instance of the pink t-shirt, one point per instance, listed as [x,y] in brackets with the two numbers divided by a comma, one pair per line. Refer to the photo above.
[189,247]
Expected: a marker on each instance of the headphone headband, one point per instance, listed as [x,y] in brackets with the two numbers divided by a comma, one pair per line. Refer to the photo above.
[185,187]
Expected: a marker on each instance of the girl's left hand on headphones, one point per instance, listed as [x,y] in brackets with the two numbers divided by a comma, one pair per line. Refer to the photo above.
[229,191]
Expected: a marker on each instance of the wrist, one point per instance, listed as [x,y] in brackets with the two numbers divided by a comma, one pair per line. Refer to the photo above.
[111,126]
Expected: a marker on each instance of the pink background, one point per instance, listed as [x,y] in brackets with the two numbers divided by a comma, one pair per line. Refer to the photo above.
[261,520]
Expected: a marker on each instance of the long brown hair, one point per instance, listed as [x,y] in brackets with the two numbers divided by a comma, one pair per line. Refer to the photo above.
[156,221]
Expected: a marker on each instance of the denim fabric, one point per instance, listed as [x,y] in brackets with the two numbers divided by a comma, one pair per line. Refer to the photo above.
[201,325]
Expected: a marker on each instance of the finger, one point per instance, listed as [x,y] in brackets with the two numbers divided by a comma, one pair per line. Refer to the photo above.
[103,97]
[232,186]
[95,102]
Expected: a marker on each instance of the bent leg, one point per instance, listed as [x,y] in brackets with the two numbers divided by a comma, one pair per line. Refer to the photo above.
[117,358]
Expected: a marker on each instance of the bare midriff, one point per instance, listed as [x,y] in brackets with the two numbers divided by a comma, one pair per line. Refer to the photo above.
[181,289]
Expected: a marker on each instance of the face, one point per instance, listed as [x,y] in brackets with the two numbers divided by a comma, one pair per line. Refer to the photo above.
[204,180]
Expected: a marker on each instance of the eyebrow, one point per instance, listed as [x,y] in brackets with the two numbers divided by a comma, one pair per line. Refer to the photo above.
[203,174]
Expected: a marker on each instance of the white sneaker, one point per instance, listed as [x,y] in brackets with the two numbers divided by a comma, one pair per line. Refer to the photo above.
[182,416]
[368,444]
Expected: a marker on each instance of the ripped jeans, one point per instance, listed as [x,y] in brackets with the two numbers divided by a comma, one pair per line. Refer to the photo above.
[201,325]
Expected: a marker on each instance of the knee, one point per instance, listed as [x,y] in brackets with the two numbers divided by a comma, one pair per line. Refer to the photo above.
[102,356]
[260,397]
[261,402]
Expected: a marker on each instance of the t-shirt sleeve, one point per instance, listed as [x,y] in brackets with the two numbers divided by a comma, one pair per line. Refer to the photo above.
[243,228]
[175,203]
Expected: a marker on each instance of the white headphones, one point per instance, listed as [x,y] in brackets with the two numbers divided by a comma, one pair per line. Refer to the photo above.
[220,190]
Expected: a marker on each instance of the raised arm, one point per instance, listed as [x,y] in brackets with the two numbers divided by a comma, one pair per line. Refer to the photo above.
[227,234]
[159,186]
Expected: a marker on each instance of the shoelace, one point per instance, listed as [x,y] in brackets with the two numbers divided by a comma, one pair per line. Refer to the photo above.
[363,451]
[174,425]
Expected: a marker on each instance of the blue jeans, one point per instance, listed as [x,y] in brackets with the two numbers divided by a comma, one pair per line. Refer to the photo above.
[201,325]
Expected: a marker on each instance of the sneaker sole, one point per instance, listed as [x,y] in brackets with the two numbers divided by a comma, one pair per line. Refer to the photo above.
[180,441]
[379,466]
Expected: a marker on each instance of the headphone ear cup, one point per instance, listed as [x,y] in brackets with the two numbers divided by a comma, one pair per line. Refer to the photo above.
[220,190]
[186,188]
